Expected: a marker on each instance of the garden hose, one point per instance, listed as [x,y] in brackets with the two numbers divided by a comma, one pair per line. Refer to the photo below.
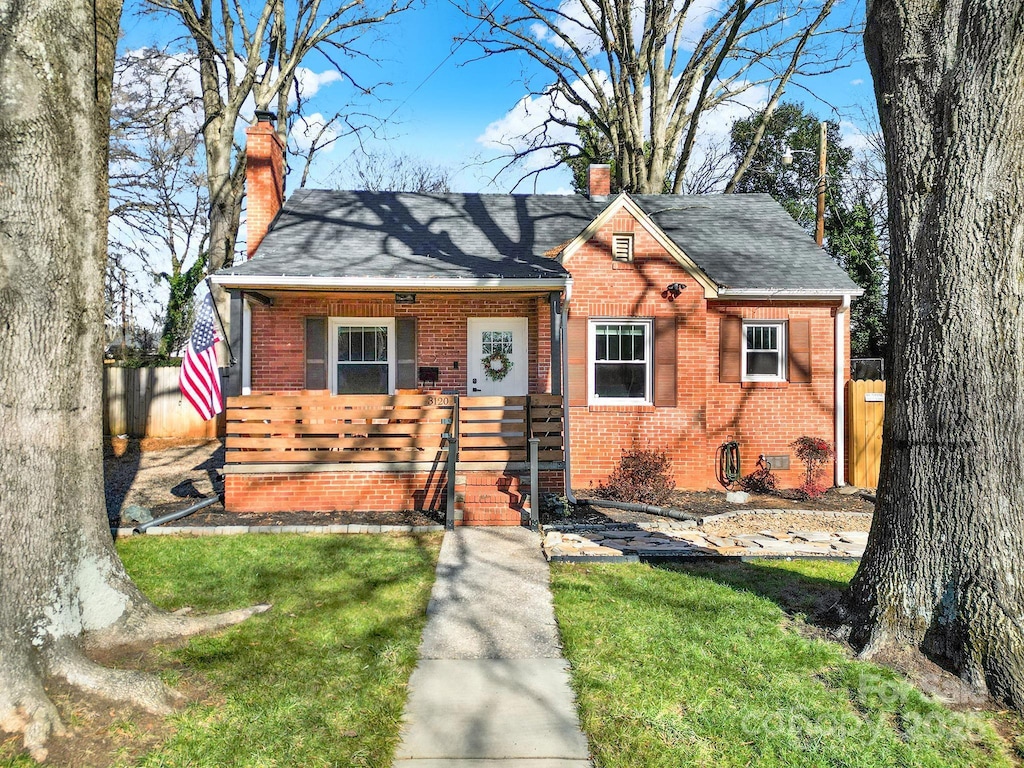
[729,463]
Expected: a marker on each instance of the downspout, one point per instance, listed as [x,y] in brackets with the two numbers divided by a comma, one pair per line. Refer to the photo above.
[570,497]
[840,382]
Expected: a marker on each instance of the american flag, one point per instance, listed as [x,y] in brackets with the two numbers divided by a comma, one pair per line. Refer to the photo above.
[200,378]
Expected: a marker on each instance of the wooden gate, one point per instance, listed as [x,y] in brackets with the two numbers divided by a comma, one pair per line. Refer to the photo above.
[865,410]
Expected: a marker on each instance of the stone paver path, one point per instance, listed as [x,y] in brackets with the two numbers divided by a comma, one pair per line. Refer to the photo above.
[491,689]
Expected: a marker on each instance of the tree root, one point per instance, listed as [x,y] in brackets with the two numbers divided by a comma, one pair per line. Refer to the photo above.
[145,624]
[26,709]
[118,685]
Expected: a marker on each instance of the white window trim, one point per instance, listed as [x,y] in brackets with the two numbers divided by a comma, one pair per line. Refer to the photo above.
[336,322]
[780,375]
[592,396]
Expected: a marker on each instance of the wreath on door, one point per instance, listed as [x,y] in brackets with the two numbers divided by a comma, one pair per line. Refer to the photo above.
[496,365]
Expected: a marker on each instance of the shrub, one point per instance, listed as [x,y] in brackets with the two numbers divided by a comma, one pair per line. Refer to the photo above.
[814,453]
[642,477]
[761,480]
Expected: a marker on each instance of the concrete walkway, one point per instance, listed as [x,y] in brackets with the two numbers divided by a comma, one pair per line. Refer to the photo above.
[491,689]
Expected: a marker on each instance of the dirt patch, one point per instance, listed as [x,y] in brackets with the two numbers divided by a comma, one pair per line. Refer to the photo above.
[99,733]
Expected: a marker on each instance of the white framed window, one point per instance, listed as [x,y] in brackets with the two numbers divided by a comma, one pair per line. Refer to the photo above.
[764,351]
[362,355]
[620,362]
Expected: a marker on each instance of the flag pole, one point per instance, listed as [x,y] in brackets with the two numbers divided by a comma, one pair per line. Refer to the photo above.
[223,329]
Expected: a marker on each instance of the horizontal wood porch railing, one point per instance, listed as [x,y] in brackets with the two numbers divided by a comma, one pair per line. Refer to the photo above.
[497,428]
[318,428]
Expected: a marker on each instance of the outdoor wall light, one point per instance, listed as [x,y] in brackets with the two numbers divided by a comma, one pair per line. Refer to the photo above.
[672,291]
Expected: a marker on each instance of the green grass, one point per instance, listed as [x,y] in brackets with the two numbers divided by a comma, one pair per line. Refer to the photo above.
[317,681]
[700,666]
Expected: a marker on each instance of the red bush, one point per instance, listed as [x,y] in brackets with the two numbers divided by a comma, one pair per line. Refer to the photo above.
[815,453]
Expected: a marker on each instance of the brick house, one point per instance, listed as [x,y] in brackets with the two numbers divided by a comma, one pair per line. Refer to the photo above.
[593,324]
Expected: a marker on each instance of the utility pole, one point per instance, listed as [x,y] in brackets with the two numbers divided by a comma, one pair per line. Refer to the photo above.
[819,224]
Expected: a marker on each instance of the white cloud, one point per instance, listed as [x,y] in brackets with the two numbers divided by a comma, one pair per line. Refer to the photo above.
[575,23]
[857,81]
[311,82]
[524,124]
[855,137]
[308,128]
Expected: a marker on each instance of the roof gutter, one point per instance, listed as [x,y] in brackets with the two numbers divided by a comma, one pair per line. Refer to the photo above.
[424,284]
[797,294]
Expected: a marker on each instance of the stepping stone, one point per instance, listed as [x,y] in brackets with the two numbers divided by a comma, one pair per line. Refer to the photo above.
[811,536]
[853,537]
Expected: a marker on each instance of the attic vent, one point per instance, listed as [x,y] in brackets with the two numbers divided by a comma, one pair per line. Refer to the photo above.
[622,246]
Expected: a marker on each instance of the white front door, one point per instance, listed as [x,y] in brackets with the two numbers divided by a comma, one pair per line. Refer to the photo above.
[498,356]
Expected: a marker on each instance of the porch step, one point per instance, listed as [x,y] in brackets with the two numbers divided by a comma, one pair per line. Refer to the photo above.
[491,516]
[491,498]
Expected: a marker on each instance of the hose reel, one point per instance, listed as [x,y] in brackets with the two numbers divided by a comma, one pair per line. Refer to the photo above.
[729,463]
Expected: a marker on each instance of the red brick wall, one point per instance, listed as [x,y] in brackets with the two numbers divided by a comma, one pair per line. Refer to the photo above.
[264,182]
[278,341]
[335,492]
[763,418]
[488,497]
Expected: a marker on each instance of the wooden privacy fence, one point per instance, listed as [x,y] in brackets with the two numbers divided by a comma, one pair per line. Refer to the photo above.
[865,409]
[146,402]
[295,428]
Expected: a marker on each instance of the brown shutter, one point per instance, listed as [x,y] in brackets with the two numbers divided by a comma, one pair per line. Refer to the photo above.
[665,361]
[405,348]
[576,346]
[799,351]
[316,353]
[730,347]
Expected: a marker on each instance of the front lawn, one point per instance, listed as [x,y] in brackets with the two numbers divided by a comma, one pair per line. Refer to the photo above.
[699,666]
[317,681]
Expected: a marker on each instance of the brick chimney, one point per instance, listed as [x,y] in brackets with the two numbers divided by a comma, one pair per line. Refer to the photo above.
[264,178]
[599,181]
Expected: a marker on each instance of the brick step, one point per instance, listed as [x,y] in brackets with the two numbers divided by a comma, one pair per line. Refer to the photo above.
[488,523]
[491,517]
[490,479]
[491,497]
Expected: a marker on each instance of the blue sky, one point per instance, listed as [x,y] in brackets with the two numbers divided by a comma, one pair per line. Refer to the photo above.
[442,120]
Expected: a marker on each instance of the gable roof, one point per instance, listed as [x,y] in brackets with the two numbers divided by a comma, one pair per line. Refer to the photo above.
[742,243]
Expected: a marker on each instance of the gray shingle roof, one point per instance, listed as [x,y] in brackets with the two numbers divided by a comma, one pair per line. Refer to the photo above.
[740,241]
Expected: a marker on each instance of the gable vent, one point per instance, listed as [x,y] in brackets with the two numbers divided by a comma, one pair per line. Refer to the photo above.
[622,246]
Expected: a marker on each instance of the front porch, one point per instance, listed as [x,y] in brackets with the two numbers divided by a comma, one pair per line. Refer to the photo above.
[474,460]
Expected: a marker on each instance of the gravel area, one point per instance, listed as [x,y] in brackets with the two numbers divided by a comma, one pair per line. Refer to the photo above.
[786,520]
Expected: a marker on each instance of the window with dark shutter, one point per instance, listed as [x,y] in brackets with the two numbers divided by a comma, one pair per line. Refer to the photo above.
[665,362]
[800,351]
[576,349]
[405,338]
[730,350]
[316,353]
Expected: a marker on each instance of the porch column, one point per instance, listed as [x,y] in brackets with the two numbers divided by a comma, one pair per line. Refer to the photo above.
[554,300]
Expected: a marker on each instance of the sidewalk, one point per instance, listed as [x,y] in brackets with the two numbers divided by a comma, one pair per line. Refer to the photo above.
[491,689]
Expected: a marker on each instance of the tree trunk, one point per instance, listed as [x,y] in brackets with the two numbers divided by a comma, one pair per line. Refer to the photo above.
[63,586]
[944,567]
